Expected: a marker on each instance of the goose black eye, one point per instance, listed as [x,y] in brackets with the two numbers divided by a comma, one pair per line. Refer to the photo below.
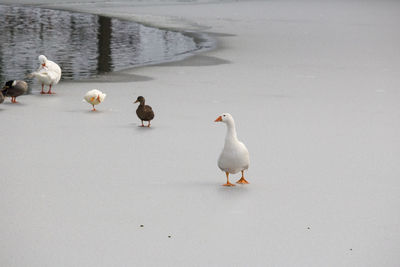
[224,115]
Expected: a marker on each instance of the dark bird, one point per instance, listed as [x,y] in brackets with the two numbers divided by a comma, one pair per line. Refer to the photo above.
[144,112]
[1,97]
[14,88]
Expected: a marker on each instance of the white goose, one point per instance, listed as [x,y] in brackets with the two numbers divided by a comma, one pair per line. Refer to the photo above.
[234,156]
[49,73]
[94,97]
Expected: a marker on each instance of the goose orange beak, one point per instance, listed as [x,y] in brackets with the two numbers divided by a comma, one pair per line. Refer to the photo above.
[218,119]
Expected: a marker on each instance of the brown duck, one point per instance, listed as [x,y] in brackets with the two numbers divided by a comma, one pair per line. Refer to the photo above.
[144,112]
[14,88]
[1,97]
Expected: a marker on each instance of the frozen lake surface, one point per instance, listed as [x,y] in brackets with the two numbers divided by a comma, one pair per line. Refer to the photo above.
[313,86]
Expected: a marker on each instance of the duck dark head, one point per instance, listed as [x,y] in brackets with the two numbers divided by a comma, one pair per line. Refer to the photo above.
[11,83]
[8,85]
[140,99]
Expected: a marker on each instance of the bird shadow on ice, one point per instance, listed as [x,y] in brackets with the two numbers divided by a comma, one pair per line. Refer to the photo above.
[98,111]
[141,129]
[137,127]
[37,93]
[87,111]
[233,190]
[14,104]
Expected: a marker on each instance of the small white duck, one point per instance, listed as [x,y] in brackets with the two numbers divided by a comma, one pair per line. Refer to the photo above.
[234,156]
[94,97]
[49,73]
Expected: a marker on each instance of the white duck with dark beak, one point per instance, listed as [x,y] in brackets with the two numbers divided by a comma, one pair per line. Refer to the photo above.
[94,97]
[49,73]
[234,157]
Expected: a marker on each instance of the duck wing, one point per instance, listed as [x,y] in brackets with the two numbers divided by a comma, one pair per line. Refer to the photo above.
[51,73]
[149,113]
[42,75]
[145,113]
[56,70]
[18,89]
[234,157]
[46,76]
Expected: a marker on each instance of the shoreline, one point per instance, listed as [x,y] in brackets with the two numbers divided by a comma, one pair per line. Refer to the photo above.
[202,40]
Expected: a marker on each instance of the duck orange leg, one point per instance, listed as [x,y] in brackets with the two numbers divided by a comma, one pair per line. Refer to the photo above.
[94,109]
[50,92]
[227,180]
[42,92]
[148,125]
[242,180]
[142,124]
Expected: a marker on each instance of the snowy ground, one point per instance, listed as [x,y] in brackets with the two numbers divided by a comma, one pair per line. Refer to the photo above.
[314,89]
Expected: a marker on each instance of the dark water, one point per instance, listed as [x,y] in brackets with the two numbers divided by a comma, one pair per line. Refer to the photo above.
[84,45]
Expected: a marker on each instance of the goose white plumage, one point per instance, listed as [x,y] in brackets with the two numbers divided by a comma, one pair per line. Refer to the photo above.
[49,73]
[94,97]
[234,157]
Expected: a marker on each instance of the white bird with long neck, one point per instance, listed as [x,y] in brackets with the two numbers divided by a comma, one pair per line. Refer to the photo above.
[49,73]
[234,157]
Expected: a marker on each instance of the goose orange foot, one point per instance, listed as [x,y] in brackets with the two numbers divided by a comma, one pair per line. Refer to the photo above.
[227,180]
[50,92]
[242,181]
[228,184]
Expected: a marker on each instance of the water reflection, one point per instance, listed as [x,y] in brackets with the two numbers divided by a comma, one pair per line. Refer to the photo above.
[84,45]
[104,45]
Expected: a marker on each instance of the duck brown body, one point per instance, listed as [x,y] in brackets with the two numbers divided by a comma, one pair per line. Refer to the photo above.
[1,97]
[144,112]
[14,88]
